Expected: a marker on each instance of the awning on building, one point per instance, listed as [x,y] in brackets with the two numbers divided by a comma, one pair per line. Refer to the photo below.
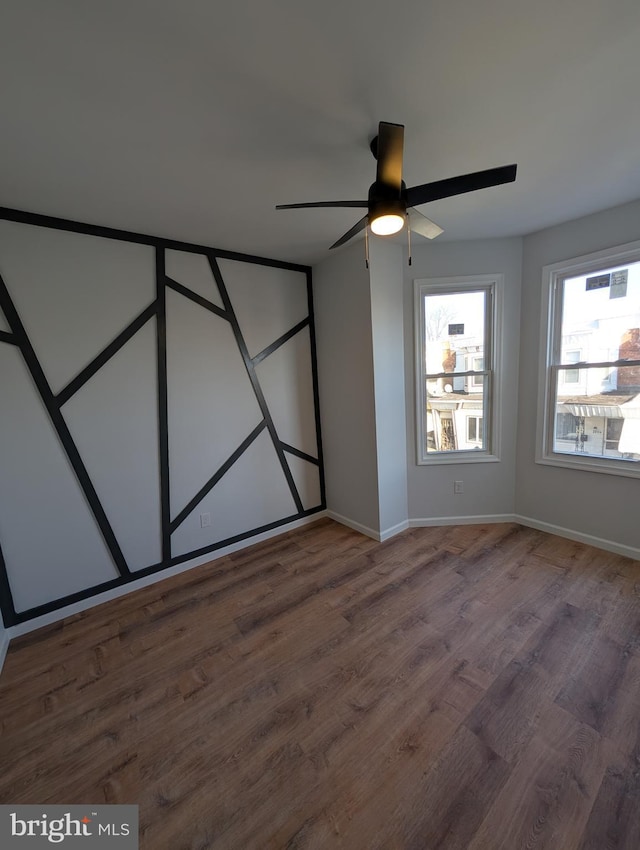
[607,406]
[608,411]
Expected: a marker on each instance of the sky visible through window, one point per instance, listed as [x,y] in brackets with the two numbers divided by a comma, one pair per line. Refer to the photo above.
[617,304]
[462,308]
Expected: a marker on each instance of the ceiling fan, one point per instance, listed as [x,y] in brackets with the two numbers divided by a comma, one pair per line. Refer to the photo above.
[390,203]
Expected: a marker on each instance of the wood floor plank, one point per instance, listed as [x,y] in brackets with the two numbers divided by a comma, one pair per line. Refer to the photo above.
[591,690]
[614,823]
[451,799]
[550,791]
[469,688]
[509,713]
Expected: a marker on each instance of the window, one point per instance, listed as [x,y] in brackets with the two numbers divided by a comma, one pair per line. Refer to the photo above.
[566,426]
[455,368]
[590,417]
[613,433]
[474,429]
[477,365]
[571,376]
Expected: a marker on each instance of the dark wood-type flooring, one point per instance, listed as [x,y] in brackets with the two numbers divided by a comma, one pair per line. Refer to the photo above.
[464,688]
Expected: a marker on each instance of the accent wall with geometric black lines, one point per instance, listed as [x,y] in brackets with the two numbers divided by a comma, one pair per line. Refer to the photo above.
[158,402]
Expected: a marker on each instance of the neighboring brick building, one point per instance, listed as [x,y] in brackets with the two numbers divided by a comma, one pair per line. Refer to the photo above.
[629,377]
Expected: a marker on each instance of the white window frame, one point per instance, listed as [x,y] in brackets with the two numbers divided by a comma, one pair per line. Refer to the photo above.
[550,329]
[493,284]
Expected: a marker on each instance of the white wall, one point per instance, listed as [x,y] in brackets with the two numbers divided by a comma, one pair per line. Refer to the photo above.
[594,504]
[359,323]
[342,303]
[75,293]
[387,317]
[489,488]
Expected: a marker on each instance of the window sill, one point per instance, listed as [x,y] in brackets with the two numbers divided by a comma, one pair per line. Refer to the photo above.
[626,469]
[458,457]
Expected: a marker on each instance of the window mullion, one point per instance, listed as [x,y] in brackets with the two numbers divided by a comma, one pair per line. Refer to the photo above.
[599,364]
[432,376]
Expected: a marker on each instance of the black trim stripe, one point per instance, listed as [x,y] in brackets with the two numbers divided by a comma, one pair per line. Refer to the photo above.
[163,415]
[62,430]
[211,483]
[49,607]
[53,404]
[280,341]
[292,450]
[255,382]
[23,217]
[106,354]
[64,435]
[6,597]
[198,299]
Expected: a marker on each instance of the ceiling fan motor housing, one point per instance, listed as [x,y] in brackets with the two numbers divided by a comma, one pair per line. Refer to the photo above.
[385,200]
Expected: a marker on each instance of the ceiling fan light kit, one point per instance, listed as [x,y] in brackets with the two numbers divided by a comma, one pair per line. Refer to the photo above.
[390,203]
[386,210]
[386,224]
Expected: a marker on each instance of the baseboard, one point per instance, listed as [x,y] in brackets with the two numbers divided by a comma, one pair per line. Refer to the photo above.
[589,539]
[380,536]
[480,519]
[4,646]
[560,531]
[131,587]
[395,529]
[356,526]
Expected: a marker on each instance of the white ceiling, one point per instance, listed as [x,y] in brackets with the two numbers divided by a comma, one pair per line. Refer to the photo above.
[191,119]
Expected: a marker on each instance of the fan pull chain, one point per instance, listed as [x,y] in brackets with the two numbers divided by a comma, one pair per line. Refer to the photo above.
[366,247]
[409,237]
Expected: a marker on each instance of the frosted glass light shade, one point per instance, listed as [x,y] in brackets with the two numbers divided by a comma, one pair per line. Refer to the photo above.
[385,225]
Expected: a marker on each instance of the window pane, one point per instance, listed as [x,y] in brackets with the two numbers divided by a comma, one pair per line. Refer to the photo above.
[613,432]
[455,368]
[474,429]
[592,396]
[600,422]
[566,426]
[600,317]
[454,419]
[454,331]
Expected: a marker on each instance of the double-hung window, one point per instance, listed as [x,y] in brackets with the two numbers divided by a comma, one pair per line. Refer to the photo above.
[456,354]
[590,376]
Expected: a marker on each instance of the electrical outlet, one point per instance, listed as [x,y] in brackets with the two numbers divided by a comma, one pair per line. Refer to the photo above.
[458,488]
[205,520]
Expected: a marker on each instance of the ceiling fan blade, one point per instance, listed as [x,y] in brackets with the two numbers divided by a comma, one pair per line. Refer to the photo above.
[389,154]
[350,233]
[417,195]
[359,204]
[422,225]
